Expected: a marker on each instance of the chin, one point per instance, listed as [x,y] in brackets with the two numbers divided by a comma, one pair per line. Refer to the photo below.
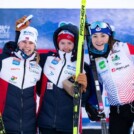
[100,48]
[28,54]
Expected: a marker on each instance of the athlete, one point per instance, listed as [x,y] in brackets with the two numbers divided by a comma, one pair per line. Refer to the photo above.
[19,73]
[115,68]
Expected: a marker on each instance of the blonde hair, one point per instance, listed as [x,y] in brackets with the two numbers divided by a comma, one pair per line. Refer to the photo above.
[37,57]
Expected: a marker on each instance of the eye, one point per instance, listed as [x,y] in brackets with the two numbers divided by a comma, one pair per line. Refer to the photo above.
[30,42]
[23,41]
[62,43]
[94,36]
[102,36]
[69,43]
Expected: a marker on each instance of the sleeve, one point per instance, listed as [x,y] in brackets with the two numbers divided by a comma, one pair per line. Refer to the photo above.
[131,48]
[8,48]
[130,51]
[7,51]
[90,100]
[43,58]
[39,83]
[17,34]
[90,94]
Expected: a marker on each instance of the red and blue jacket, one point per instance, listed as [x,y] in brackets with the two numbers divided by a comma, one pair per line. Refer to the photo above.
[18,78]
[56,105]
[116,73]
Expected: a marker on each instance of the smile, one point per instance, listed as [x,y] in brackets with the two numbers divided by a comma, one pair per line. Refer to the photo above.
[99,45]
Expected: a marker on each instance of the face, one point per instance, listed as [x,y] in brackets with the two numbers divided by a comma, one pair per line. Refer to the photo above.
[66,45]
[27,47]
[99,39]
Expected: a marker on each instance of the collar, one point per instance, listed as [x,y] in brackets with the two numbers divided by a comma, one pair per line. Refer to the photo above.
[18,54]
[64,55]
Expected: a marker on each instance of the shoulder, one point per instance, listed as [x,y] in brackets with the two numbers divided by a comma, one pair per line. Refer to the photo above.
[44,56]
[9,47]
[127,47]
[130,48]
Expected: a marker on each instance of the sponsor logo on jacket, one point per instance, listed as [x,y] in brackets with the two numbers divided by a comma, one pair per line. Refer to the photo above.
[16,61]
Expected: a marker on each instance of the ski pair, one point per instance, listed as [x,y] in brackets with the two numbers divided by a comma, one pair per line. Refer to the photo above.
[79,68]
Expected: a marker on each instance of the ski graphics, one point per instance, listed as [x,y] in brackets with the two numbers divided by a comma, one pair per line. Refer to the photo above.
[79,68]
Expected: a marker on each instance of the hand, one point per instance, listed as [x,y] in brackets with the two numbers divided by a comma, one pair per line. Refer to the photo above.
[92,112]
[21,20]
[82,79]
[9,47]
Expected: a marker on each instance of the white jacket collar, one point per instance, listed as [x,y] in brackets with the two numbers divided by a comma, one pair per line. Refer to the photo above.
[64,55]
[18,54]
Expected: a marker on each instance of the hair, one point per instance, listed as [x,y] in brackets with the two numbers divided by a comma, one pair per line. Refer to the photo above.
[111,42]
[37,57]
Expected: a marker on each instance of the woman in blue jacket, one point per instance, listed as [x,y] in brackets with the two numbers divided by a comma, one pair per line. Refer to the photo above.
[55,115]
[19,73]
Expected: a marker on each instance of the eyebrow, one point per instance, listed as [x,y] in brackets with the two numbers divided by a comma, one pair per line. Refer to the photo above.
[100,33]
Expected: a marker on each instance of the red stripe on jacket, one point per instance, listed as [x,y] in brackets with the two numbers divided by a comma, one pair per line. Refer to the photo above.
[3,93]
[43,89]
[131,48]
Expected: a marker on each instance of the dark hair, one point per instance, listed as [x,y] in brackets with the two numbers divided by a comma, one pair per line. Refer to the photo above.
[111,42]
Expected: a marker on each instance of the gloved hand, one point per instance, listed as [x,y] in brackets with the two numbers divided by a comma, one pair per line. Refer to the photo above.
[92,112]
[9,47]
[68,84]
[82,79]
[21,20]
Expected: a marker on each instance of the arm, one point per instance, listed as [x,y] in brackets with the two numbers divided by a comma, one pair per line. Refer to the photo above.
[130,51]
[42,61]
[9,48]
[90,92]
[90,99]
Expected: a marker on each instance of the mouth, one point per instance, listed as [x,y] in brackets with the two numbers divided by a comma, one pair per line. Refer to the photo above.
[99,44]
[66,51]
[26,51]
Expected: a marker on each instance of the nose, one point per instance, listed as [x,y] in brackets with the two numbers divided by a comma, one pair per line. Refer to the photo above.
[99,41]
[66,46]
[27,44]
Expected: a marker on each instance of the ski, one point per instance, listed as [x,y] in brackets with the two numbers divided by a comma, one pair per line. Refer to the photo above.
[104,129]
[2,129]
[79,67]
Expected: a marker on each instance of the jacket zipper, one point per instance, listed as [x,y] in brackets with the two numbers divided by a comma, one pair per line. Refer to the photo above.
[22,96]
[61,69]
[57,84]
